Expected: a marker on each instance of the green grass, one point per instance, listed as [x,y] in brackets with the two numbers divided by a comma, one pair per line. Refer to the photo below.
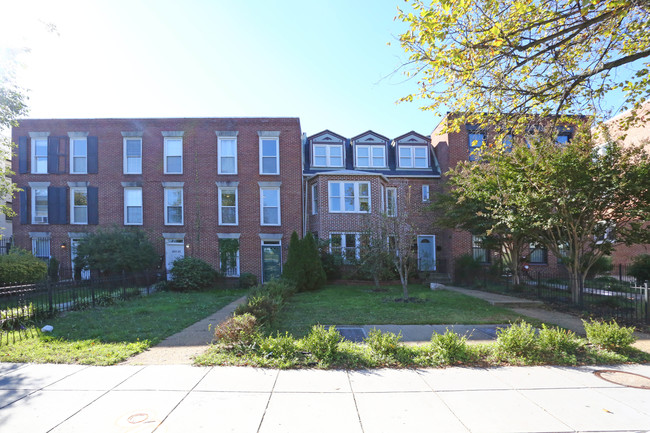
[360,305]
[108,335]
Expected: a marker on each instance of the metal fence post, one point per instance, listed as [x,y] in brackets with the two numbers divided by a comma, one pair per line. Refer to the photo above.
[50,295]
[539,286]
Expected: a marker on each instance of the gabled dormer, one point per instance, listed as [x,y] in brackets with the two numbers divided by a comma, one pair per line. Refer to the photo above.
[326,150]
[414,152]
[370,151]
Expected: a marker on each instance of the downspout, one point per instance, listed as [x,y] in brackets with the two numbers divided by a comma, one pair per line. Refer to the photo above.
[303,183]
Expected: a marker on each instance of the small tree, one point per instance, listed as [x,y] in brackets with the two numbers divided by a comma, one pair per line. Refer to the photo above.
[375,258]
[116,250]
[291,269]
[303,265]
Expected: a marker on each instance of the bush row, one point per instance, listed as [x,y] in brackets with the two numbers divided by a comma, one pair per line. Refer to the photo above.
[240,341]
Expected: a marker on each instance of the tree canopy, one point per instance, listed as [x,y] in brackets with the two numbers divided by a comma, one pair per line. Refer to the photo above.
[494,61]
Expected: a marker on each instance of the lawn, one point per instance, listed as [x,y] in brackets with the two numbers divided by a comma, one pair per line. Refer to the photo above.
[361,305]
[109,335]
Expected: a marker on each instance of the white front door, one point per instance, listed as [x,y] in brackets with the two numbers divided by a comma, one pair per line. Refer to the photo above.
[174,249]
[427,253]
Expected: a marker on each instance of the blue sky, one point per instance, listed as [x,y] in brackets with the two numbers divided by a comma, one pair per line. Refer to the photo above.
[326,62]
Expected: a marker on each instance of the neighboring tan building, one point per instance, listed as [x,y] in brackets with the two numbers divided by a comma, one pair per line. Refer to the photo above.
[188,182]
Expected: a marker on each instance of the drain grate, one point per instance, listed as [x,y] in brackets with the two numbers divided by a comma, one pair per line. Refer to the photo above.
[624,378]
[355,335]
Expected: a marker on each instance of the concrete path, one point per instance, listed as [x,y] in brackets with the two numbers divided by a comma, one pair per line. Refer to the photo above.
[183,347]
[72,398]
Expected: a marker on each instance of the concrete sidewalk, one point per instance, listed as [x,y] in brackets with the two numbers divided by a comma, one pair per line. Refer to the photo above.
[73,398]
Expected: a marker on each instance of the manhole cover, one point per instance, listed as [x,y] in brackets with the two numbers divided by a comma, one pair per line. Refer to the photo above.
[624,378]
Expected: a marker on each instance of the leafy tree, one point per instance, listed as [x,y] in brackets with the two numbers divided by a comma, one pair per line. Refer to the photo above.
[116,250]
[292,267]
[496,61]
[373,252]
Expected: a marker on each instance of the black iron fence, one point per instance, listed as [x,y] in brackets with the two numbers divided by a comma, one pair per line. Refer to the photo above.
[21,305]
[611,296]
[5,245]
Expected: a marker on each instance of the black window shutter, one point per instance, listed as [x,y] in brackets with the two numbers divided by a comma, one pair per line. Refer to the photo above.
[57,204]
[93,205]
[23,197]
[92,155]
[53,155]
[23,155]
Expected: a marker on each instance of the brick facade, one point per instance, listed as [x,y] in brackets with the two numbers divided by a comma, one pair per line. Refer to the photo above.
[200,230]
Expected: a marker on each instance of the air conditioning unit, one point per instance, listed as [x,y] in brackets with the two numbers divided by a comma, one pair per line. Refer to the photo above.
[40,220]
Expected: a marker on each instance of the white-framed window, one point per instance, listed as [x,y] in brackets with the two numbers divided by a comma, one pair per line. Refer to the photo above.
[41,247]
[79,155]
[371,156]
[174,206]
[314,199]
[133,206]
[173,155]
[479,252]
[269,155]
[227,149]
[327,155]
[345,244]
[228,206]
[391,202]
[39,206]
[413,157]
[79,205]
[349,197]
[425,193]
[270,206]
[39,155]
[132,155]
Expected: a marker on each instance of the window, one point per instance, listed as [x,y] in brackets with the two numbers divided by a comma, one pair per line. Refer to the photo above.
[133,206]
[79,152]
[314,199]
[227,148]
[79,205]
[425,193]
[345,244]
[174,206]
[349,196]
[327,155]
[173,155]
[476,141]
[269,155]
[132,155]
[39,155]
[371,156]
[538,254]
[41,247]
[413,157]
[39,206]
[479,252]
[391,202]
[562,139]
[228,214]
[270,206]
[382,198]
[229,256]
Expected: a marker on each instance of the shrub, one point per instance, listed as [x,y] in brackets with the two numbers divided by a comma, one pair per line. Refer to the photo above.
[278,347]
[53,269]
[466,269]
[21,267]
[263,306]
[450,347]
[16,318]
[278,288]
[191,273]
[303,265]
[609,335]
[331,265]
[247,280]
[602,266]
[640,268]
[386,344]
[518,339]
[557,340]
[322,343]
[237,330]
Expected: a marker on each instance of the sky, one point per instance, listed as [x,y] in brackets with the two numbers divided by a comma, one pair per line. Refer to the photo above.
[330,63]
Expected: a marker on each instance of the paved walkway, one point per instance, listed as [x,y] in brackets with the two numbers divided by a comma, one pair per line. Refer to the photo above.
[181,348]
[181,398]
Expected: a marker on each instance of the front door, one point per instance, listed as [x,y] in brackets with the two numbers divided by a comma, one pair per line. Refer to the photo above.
[271,260]
[85,273]
[174,249]
[427,253]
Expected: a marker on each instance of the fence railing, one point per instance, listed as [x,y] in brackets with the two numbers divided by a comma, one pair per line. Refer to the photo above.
[20,305]
[612,296]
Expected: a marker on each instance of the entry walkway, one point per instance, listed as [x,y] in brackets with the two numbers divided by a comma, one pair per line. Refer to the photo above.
[180,398]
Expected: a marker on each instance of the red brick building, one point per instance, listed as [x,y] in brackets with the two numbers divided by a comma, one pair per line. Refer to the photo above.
[190,183]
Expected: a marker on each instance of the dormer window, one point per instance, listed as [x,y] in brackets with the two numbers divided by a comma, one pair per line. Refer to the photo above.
[328,155]
[371,156]
[413,157]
